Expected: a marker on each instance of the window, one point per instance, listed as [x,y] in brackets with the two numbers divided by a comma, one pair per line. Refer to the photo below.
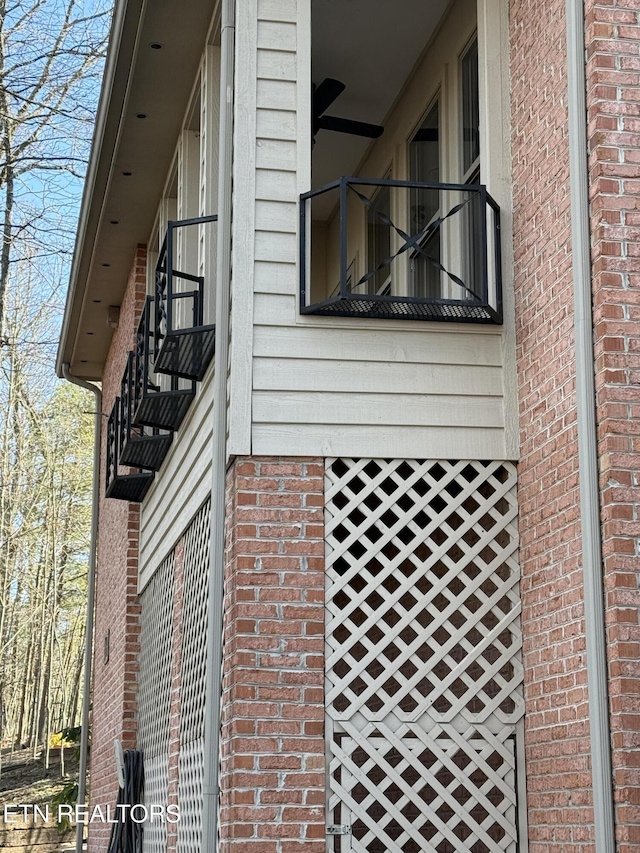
[424,166]
[379,242]
[470,148]
[470,115]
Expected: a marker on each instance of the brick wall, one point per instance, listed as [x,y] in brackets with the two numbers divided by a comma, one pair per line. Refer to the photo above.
[613,94]
[273,765]
[117,606]
[557,730]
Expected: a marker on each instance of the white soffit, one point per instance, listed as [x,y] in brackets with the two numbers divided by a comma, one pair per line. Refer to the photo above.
[159,85]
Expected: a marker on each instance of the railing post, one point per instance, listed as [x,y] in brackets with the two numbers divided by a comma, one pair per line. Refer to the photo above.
[169,280]
[127,396]
[343,237]
[303,252]
[144,354]
[122,422]
[484,236]
[156,304]
[160,296]
[195,309]
[497,239]
[138,370]
[112,456]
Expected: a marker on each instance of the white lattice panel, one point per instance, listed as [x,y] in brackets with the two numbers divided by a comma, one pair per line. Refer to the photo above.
[194,626]
[156,780]
[412,791]
[154,695]
[190,768]
[423,654]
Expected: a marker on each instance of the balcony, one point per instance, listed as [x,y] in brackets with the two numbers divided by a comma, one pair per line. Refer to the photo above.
[122,485]
[404,250]
[183,343]
[159,402]
[140,446]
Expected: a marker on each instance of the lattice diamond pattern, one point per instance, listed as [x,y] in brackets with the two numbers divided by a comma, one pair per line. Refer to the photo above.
[423,654]
[154,695]
[439,791]
[194,621]
[190,769]
[423,604]
[156,781]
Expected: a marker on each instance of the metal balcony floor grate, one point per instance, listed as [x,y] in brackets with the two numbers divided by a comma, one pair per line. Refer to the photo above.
[164,409]
[146,451]
[130,487]
[407,308]
[187,352]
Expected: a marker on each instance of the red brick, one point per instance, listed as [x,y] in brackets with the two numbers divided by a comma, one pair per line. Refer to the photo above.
[117,604]
[551,590]
[266,517]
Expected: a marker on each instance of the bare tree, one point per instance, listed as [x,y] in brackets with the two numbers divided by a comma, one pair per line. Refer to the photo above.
[50,63]
[45,498]
[50,52]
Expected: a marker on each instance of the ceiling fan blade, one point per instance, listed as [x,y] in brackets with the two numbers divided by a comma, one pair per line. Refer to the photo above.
[346,125]
[325,94]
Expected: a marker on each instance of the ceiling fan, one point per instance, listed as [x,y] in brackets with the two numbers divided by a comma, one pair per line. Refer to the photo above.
[323,96]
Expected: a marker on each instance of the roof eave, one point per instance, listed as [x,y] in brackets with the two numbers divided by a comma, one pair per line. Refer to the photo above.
[120,56]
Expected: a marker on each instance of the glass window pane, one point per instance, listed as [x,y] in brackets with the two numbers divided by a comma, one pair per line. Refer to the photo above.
[424,165]
[379,242]
[470,109]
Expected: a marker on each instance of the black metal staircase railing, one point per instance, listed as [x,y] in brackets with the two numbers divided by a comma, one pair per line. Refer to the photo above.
[122,484]
[428,251]
[156,402]
[180,349]
[140,446]
[171,354]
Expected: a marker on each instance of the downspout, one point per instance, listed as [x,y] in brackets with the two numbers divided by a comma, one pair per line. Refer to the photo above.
[603,815]
[213,676]
[91,593]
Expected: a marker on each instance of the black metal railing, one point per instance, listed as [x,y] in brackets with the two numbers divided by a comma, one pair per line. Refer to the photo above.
[122,484]
[159,382]
[402,250]
[156,401]
[140,446]
[181,348]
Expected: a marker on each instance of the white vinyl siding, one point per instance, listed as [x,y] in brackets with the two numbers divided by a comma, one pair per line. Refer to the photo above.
[331,386]
[181,487]
[336,390]
[184,482]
